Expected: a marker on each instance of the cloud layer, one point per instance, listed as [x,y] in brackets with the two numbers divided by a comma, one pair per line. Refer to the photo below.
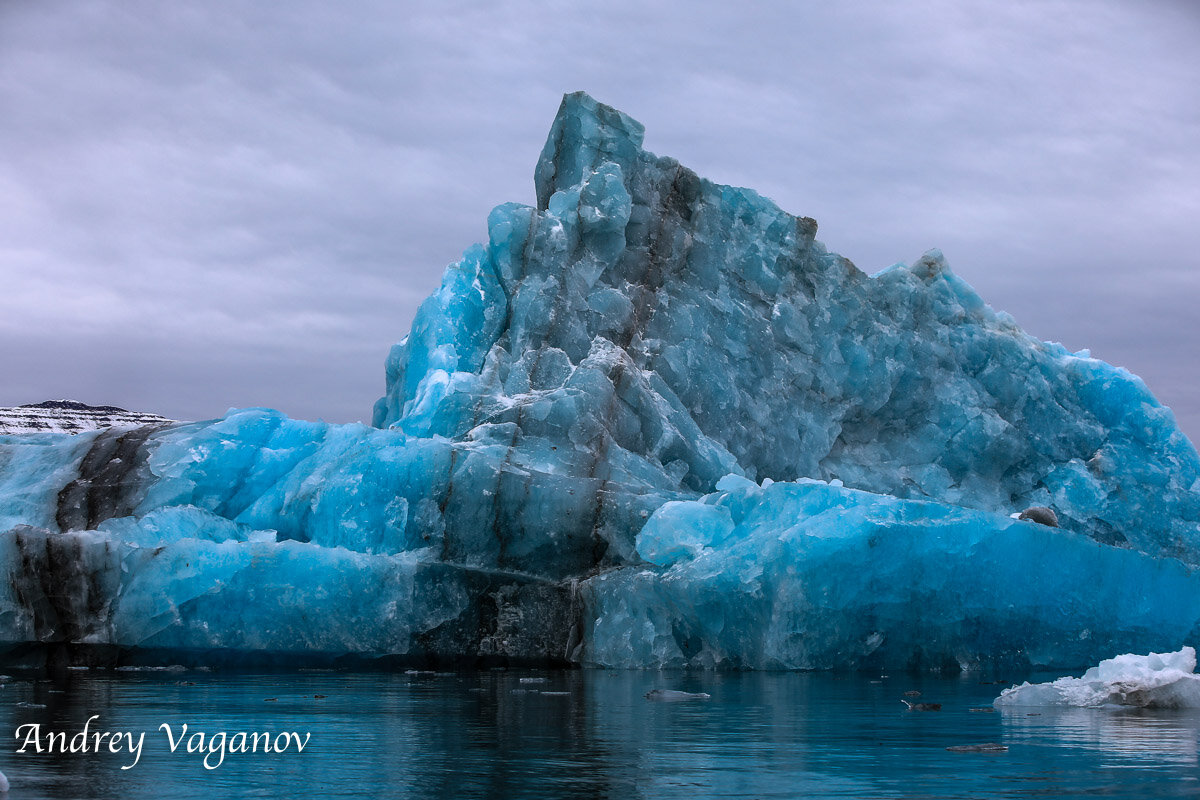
[212,205]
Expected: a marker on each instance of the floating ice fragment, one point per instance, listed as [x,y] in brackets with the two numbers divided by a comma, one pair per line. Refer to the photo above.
[922,706]
[1158,680]
[675,696]
[987,747]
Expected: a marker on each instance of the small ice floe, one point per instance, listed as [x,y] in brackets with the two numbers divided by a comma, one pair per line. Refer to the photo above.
[556,694]
[534,680]
[922,706]
[982,710]
[1158,680]
[912,693]
[675,696]
[23,704]
[987,747]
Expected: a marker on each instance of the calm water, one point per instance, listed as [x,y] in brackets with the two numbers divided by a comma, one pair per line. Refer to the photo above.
[488,734]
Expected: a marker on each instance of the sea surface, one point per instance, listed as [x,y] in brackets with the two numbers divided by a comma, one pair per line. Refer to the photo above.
[578,734]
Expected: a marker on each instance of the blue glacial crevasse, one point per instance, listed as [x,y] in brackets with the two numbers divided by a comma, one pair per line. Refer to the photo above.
[651,422]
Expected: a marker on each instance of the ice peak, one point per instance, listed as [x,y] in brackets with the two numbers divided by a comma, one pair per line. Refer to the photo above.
[584,135]
[931,265]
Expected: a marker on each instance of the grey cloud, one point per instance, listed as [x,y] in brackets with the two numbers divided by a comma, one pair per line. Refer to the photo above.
[206,205]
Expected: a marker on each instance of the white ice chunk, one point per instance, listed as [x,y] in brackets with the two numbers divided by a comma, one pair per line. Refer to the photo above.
[1158,680]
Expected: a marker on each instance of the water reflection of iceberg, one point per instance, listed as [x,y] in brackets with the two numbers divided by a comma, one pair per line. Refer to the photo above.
[1136,735]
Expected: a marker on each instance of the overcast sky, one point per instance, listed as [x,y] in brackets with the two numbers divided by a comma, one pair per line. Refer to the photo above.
[210,205]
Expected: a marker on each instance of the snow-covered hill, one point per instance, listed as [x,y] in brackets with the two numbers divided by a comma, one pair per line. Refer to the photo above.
[69,416]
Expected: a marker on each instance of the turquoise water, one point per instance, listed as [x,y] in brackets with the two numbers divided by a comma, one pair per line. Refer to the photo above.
[489,734]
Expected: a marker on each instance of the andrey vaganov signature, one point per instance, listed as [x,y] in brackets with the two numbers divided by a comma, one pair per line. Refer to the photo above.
[214,747]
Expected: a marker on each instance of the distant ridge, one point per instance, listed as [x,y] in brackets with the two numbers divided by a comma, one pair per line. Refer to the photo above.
[74,405]
[70,416]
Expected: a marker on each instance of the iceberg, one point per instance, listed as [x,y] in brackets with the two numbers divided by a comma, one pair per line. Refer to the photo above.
[1157,680]
[651,422]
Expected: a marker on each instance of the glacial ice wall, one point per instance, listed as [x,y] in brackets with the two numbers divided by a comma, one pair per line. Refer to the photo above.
[827,461]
